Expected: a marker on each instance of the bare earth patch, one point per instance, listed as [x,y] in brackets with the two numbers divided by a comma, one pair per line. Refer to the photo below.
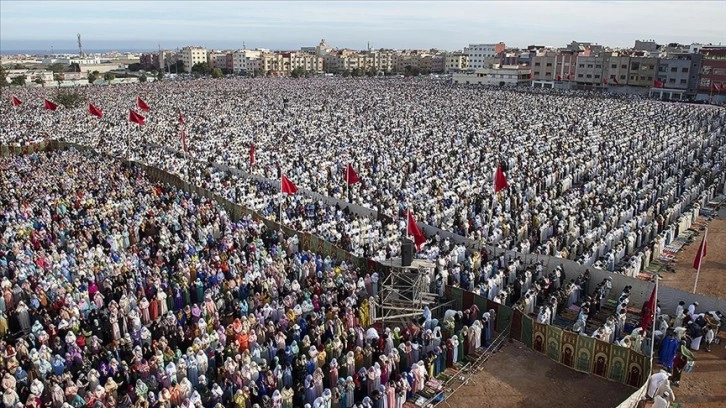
[520,377]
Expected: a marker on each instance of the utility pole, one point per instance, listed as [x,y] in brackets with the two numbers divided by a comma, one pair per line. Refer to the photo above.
[80,45]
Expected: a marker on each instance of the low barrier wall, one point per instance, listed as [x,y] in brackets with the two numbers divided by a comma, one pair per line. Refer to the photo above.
[581,353]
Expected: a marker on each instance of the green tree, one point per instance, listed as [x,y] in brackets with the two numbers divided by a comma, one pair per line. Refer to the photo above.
[108,76]
[357,72]
[39,81]
[159,76]
[346,73]
[74,67]
[257,72]
[142,78]
[92,77]
[135,67]
[298,72]
[217,73]
[57,67]
[19,80]
[69,98]
[201,68]
[3,77]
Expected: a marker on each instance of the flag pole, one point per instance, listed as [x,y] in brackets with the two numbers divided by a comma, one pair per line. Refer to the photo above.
[700,259]
[652,331]
[347,183]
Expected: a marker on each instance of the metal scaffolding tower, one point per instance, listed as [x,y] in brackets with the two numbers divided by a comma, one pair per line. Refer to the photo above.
[405,291]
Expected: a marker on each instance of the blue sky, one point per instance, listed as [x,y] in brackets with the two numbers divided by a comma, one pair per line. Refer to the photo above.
[450,25]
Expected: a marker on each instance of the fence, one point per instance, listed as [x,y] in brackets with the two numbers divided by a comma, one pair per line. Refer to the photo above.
[581,353]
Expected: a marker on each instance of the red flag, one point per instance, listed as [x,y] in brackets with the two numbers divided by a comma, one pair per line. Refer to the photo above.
[141,104]
[50,105]
[648,309]
[604,81]
[135,117]
[700,254]
[415,232]
[616,80]
[252,155]
[181,118]
[94,111]
[287,186]
[569,76]
[714,87]
[658,84]
[500,181]
[351,177]
[559,78]
[17,101]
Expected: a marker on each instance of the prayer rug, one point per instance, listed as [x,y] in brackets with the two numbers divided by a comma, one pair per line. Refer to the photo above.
[539,337]
[567,350]
[601,358]
[554,342]
[585,345]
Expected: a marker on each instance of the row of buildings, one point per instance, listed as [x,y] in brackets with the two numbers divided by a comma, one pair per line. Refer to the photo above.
[676,71]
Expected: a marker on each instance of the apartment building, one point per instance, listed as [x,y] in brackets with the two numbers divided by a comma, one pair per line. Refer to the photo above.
[246,61]
[478,53]
[642,71]
[554,66]
[617,67]
[221,60]
[589,70]
[713,71]
[309,62]
[193,55]
[680,71]
[504,75]
[455,62]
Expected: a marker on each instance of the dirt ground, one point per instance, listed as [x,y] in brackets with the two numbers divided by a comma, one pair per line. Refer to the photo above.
[712,279]
[520,377]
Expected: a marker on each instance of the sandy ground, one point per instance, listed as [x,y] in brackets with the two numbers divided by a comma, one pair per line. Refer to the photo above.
[712,279]
[519,377]
[705,386]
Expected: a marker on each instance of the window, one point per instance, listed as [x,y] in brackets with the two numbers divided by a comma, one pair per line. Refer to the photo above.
[589,76]
[536,64]
[597,76]
[684,70]
[536,72]
[579,75]
[622,76]
[581,65]
[634,66]
[623,66]
[548,74]
[684,81]
[598,66]
[674,69]
[614,66]
[589,65]
[549,64]
[633,77]
[671,80]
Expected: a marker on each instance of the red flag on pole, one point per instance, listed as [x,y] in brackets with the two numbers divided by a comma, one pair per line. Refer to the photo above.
[648,309]
[50,105]
[252,155]
[700,254]
[500,181]
[17,101]
[142,104]
[135,117]
[616,81]
[181,118]
[569,76]
[94,111]
[415,232]
[658,84]
[287,187]
[351,177]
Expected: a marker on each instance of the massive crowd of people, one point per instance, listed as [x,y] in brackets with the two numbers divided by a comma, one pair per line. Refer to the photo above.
[603,180]
[121,291]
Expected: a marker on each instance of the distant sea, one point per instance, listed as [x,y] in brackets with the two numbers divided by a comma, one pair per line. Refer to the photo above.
[72,51]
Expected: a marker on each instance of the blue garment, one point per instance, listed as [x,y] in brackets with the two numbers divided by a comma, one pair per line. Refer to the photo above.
[668,351]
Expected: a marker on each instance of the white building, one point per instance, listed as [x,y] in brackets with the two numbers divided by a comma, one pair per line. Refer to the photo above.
[478,54]
[193,55]
[246,60]
[507,75]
